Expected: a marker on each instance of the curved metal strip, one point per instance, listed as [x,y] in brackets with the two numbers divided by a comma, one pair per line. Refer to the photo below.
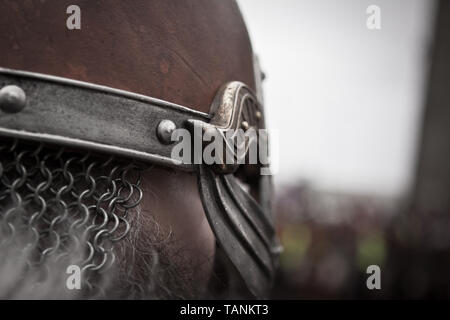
[235,110]
[98,118]
[251,211]
[249,247]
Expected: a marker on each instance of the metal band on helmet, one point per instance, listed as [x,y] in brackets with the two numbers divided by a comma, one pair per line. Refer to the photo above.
[81,115]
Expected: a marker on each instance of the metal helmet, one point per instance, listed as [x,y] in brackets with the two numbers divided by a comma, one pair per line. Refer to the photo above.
[84,111]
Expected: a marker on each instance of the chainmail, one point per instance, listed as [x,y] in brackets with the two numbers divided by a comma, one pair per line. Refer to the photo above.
[61,207]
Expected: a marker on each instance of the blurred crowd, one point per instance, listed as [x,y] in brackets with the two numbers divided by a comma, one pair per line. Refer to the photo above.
[330,239]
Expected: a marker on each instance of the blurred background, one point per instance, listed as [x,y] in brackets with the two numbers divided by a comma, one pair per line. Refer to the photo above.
[362,118]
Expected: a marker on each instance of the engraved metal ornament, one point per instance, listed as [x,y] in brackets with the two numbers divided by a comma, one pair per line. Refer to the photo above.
[234,107]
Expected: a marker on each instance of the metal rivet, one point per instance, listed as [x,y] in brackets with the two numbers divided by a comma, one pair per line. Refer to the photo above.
[244,125]
[164,131]
[12,99]
[258,115]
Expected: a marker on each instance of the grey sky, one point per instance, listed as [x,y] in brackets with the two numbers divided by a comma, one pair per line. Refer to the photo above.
[346,100]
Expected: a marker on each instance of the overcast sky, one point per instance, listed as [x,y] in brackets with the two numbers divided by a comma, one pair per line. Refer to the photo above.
[346,100]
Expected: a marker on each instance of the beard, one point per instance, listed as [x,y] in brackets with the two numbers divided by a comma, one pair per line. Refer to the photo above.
[71,227]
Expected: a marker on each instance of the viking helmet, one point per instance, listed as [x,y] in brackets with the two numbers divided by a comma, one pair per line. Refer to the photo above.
[120,87]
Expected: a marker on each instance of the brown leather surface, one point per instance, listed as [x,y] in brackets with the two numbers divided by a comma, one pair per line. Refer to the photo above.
[176,50]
